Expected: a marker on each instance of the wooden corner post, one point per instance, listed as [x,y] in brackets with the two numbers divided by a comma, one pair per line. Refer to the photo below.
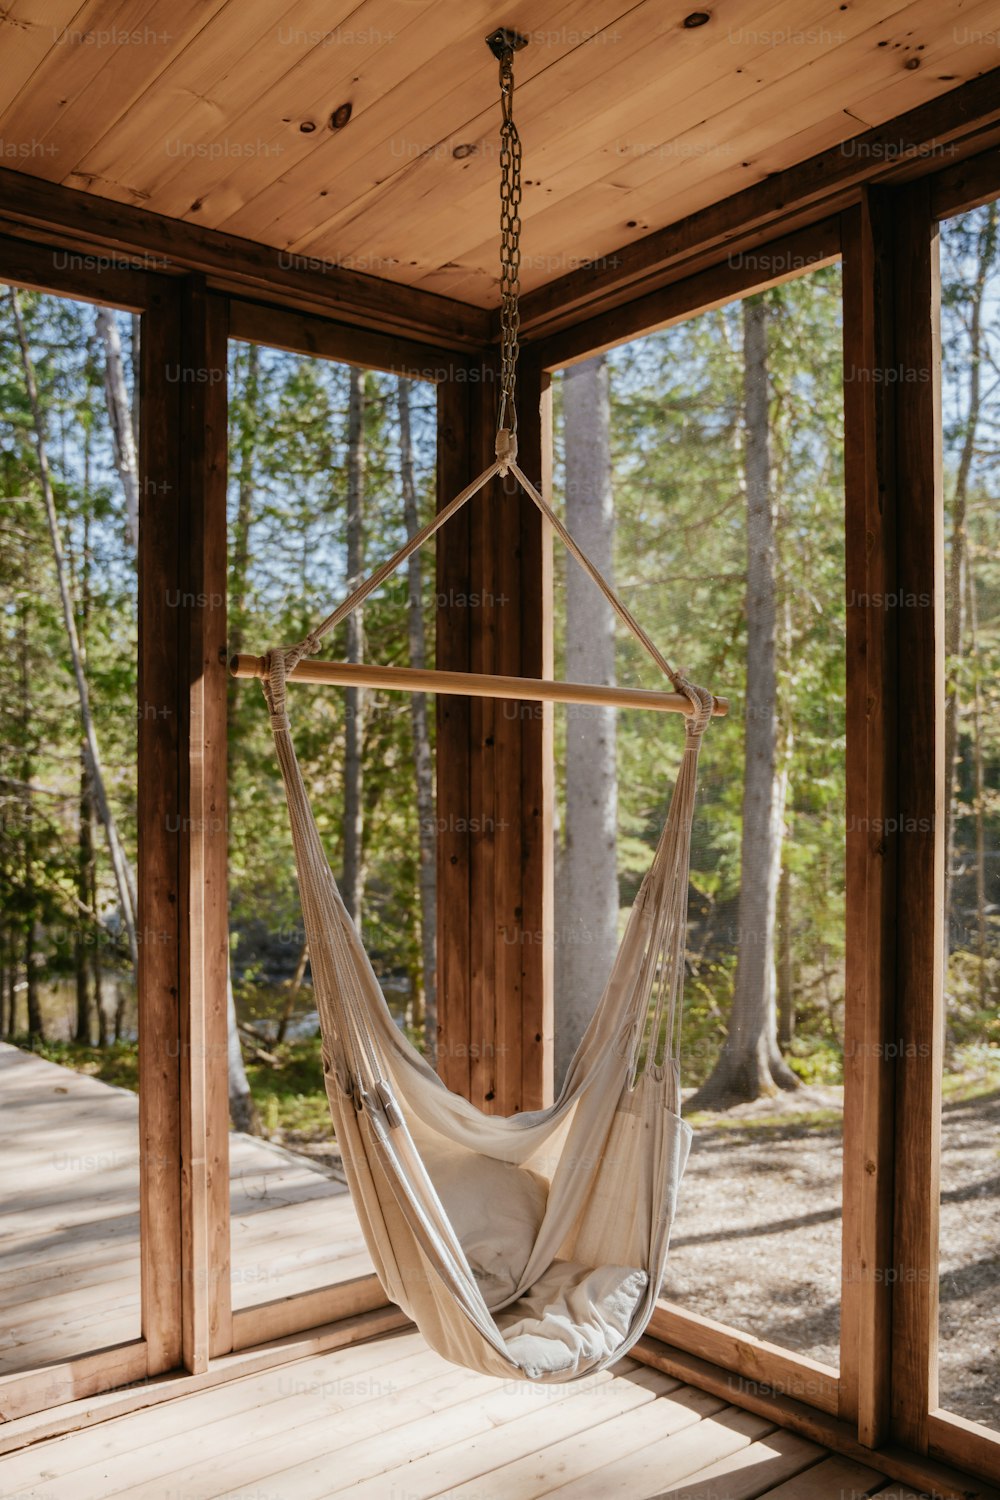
[895,700]
[183,1099]
[870,540]
[494,776]
[920,864]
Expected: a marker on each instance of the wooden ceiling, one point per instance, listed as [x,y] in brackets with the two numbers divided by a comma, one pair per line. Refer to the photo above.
[219,112]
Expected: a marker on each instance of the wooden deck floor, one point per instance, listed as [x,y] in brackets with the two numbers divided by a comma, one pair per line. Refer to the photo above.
[389,1420]
[69,1216]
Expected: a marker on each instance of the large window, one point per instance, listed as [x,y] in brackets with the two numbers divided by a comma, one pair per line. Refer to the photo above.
[718,498]
[69,932]
[330,466]
[969,1372]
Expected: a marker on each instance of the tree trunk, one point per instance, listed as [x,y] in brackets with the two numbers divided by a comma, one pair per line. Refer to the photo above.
[242,1110]
[750,1063]
[85,857]
[786,967]
[85,841]
[955,614]
[36,1029]
[587,877]
[423,763]
[292,994]
[120,415]
[352,885]
[979,793]
[124,879]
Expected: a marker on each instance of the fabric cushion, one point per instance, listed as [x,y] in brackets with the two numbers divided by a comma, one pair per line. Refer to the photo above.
[572,1317]
[495,1208]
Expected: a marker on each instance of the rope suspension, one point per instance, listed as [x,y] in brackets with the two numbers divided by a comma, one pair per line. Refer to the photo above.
[503,43]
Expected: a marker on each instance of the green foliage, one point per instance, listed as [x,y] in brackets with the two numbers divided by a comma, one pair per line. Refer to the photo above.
[680,508]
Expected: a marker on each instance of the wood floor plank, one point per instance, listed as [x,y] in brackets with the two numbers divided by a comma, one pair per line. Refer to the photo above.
[752,1471]
[834,1476]
[134,1434]
[69,1216]
[326,1443]
[548,1421]
[651,1469]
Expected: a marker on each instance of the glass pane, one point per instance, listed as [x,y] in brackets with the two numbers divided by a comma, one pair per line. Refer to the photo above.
[69,1161]
[306,436]
[969,1362]
[723,512]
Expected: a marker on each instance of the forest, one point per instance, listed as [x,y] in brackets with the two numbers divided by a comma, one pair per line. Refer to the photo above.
[702,466]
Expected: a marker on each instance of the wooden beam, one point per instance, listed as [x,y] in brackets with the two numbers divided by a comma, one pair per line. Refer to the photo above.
[967,1445]
[203,437]
[759,1365]
[90,1404]
[159,815]
[26,1392]
[892,1459]
[920,877]
[768,264]
[871,510]
[89,224]
[306,333]
[925,137]
[88,278]
[494,795]
[315,1309]
[536,793]
[183,1105]
[966,185]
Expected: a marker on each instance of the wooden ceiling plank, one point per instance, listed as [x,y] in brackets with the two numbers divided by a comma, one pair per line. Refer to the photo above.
[68,68]
[409,124]
[874,62]
[605,207]
[369,76]
[626,112]
[947,117]
[206,119]
[188,92]
[591,216]
[321,78]
[28,31]
[169,28]
[562,84]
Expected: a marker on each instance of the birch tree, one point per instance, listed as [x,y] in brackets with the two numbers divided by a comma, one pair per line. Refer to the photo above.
[352,887]
[587,877]
[124,877]
[422,759]
[956,621]
[750,1063]
[120,416]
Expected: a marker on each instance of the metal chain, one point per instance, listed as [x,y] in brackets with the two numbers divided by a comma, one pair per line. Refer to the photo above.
[510,244]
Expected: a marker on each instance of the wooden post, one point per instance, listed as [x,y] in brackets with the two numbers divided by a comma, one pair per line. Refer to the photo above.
[494,767]
[182,833]
[159,812]
[920,884]
[204,859]
[872,674]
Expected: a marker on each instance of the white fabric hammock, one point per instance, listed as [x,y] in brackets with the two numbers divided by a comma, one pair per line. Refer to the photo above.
[532,1246]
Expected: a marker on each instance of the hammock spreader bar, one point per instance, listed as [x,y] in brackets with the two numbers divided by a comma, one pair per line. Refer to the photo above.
[475,685]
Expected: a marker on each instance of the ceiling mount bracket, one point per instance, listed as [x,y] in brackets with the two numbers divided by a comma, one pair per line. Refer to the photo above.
[504,40]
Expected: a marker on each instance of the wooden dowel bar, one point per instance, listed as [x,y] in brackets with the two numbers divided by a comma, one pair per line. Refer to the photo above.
[472,685]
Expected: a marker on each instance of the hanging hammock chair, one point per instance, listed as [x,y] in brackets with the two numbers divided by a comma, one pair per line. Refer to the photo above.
[532,1246]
